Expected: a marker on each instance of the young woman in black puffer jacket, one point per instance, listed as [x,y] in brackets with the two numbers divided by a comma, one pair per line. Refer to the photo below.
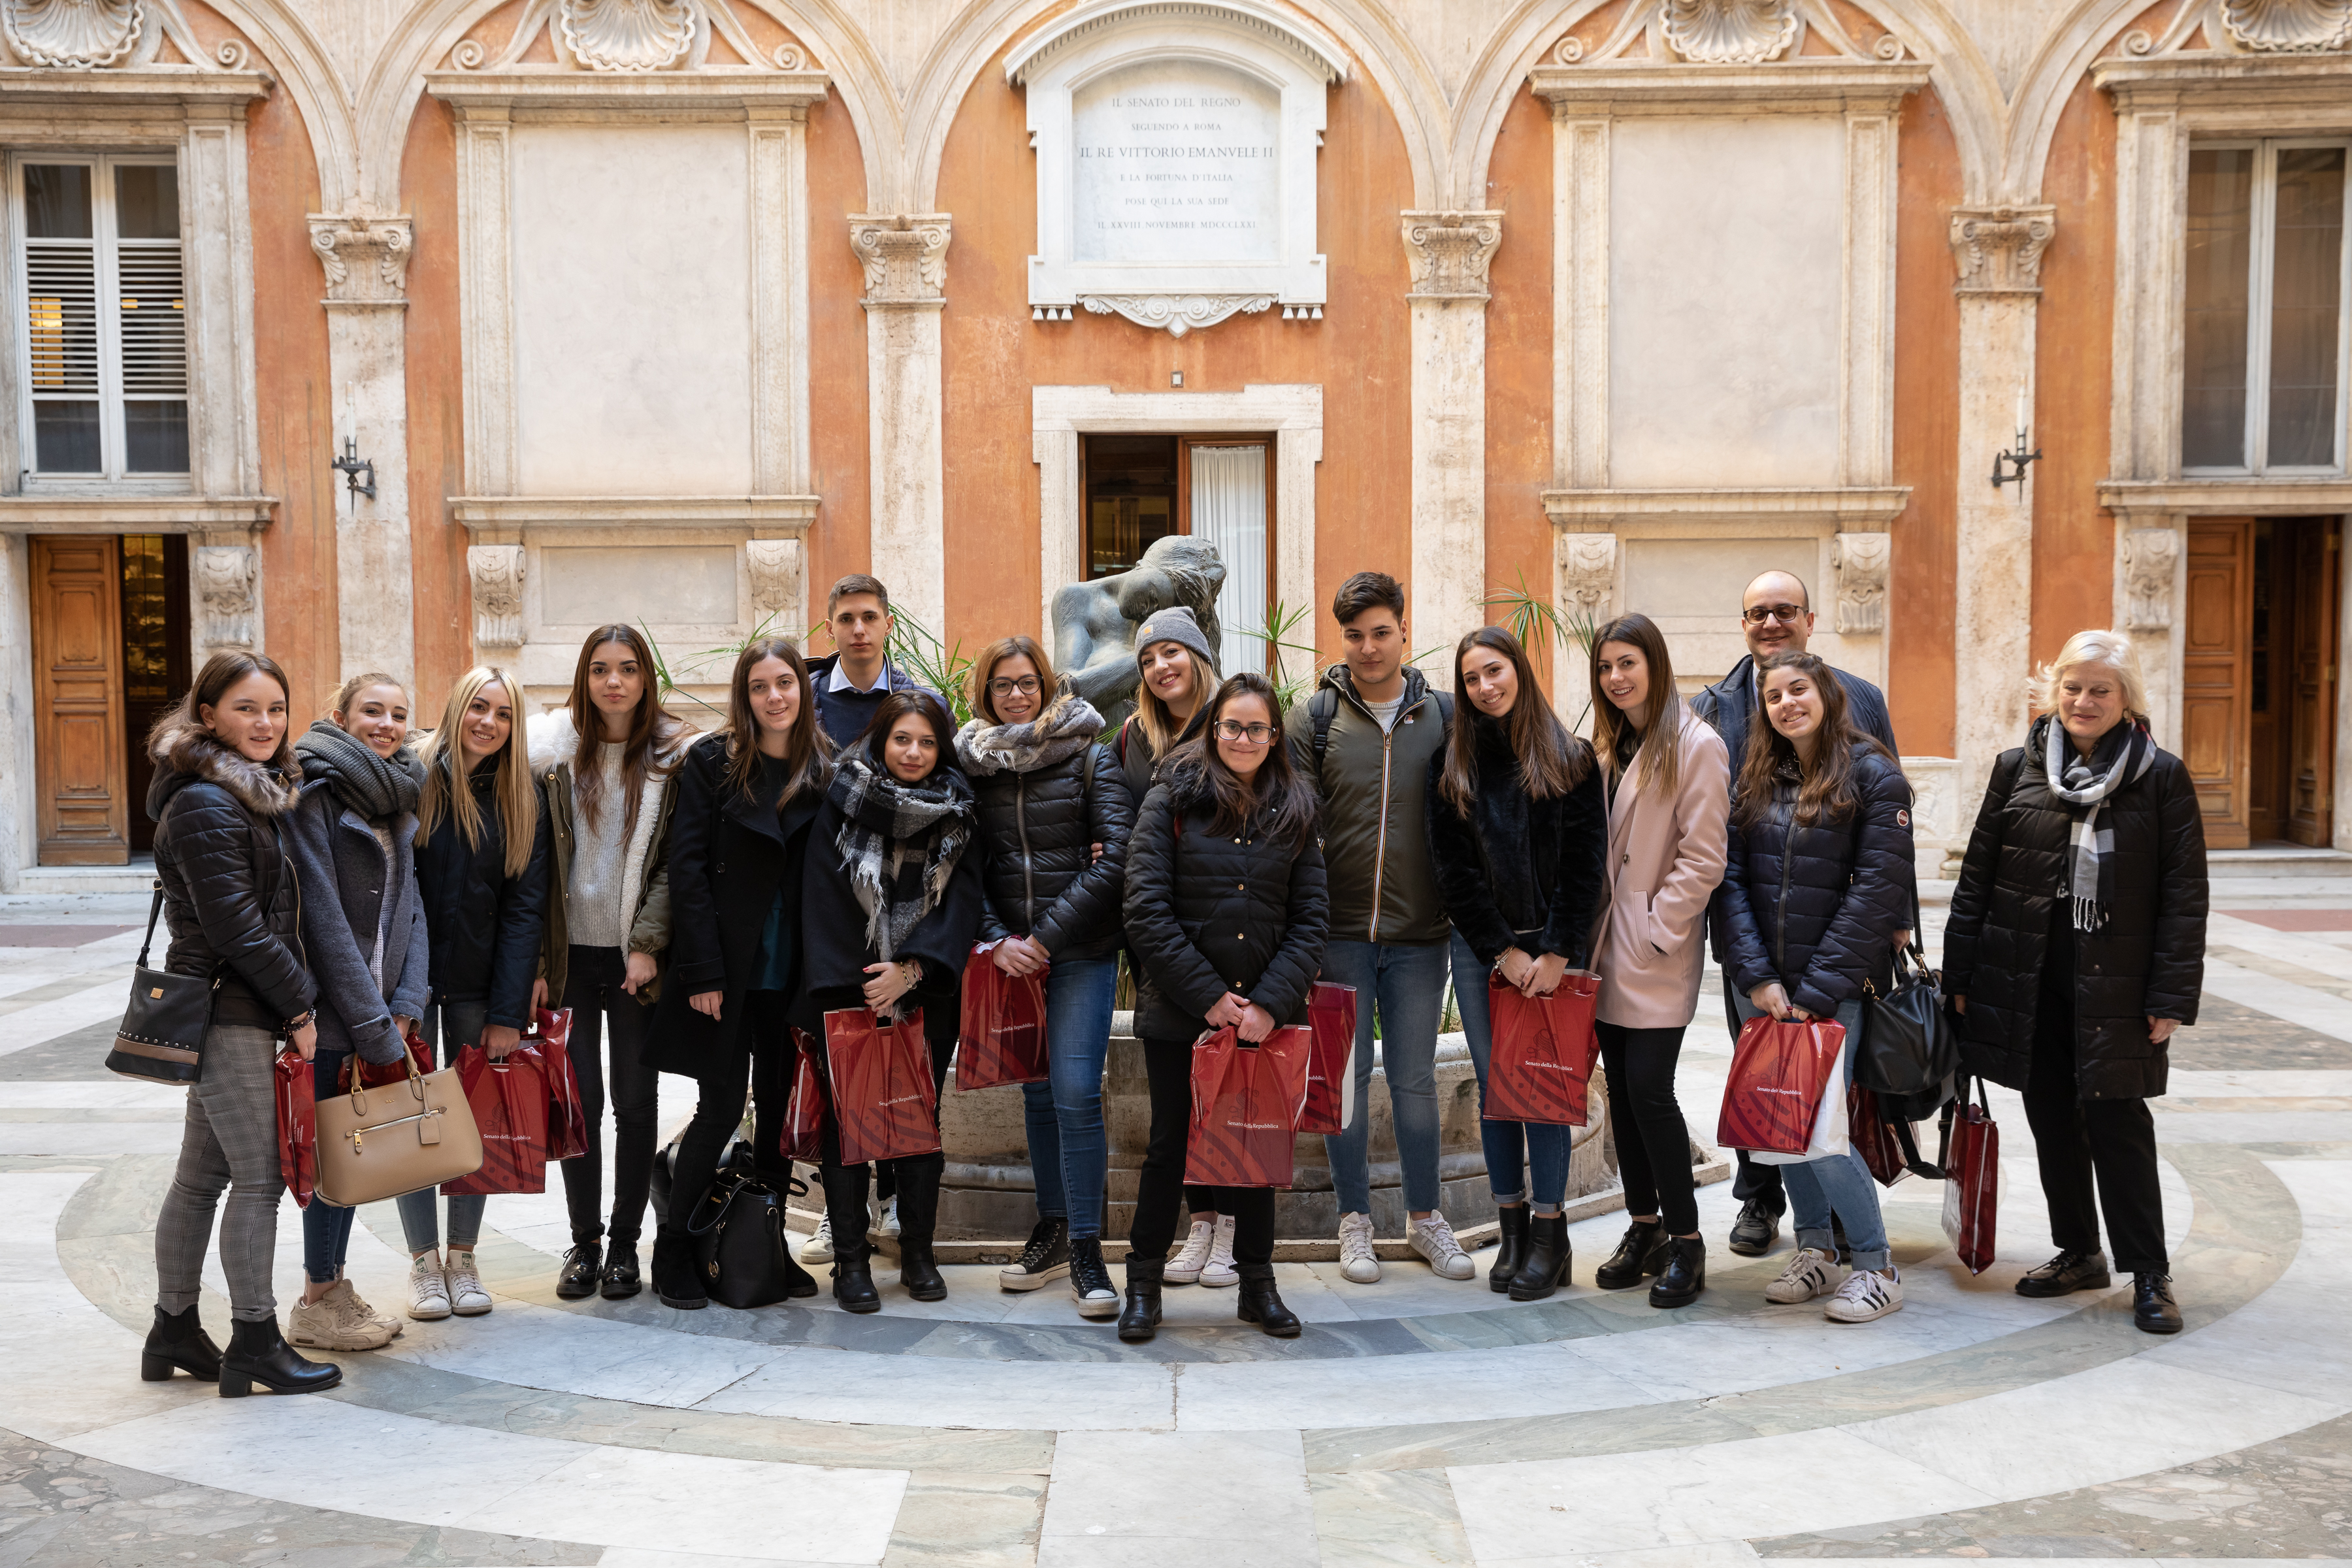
[1226,913]
[1820,879]
[1054,821]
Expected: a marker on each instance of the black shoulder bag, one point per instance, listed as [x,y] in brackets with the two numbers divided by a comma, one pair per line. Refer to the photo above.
[162,1037]
[1909,1056]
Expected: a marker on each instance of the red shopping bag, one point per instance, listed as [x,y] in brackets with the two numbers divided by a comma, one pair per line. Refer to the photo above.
[1245,1104]
[297,1126]
[1871,1133]
[383,1075]
[1003,1036]
[567,1120]
[884,1101]
[1330,1103]
[1973,1183]
[1540,1062]
[509,1102]
[805,1115]
[1780,1070]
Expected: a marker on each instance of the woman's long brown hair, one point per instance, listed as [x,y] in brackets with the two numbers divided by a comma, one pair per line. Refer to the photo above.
[1826,786]
[1551,760]
[807,753]
[1658,761]
[654,731]
[1160,727]
[1280,800]
[448,782]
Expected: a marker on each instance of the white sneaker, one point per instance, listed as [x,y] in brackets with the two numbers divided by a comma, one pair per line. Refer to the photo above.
[1219,1269]
[467,1296]
[890,1226]
[1185,1268]
[818,1248]
[428,1293]
[1356,1257]
[1866,1294]
[1433,1239]
[1810,1273]
[335,1321]
[392,1326]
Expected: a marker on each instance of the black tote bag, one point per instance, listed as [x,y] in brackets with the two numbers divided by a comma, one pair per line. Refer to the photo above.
[162,1035]
[1909,1055]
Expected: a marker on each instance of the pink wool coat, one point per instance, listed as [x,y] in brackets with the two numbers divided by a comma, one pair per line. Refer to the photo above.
[1665,857]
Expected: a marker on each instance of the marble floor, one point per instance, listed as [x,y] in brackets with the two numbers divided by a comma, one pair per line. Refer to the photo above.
[1416,1421]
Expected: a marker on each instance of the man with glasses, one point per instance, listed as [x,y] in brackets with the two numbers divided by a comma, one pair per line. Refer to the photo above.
[1775,614]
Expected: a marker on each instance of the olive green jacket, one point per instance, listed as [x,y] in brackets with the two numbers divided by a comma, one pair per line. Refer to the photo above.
[1383,885]
[645,866]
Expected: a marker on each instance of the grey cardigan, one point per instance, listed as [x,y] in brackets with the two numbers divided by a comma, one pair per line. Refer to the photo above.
[341,871]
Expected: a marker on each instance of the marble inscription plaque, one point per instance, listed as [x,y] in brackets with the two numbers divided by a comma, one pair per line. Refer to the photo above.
[1177,161]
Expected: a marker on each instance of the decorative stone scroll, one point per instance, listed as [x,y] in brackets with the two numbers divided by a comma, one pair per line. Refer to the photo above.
[905,257]
[2149,555]
[777,566]
[495,573]
[365,254]
[1999,249]
[627,37]
[1178,314]
[224,604]
[1860,560]
[1449,252]
[1587,573]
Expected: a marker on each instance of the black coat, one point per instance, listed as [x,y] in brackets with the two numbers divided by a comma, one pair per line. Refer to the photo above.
[483,926]
[1208,914]
[2147,960]
[1815,907]
[1037,833]
[1518,864]
[1138,764]
[729,860]
[833,949]
[230,898]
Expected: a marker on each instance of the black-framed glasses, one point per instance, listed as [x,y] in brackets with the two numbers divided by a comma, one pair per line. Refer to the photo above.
[1235,729]
[1004,686]
[1787,615]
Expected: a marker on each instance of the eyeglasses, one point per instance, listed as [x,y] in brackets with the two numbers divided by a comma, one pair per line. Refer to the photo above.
[1254,734]
[1026,685]
[1787,615]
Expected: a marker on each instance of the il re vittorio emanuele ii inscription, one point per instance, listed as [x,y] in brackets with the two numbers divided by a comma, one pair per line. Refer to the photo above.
[1176,161]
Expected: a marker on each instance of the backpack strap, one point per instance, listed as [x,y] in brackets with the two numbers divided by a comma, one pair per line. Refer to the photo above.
[1321,709]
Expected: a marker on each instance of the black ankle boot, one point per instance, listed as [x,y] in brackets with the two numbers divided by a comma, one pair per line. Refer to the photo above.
[258,1354]
[581,1265]
[620,1280]
[1643,1251]
[1511,1246]
[919,1271]
[1685,1275]
[1545,1269]
[853,1278]
[1261,1305]
[178,1340]
[676,1280]
[918,1218]
[1138,1319]
[2154,1312]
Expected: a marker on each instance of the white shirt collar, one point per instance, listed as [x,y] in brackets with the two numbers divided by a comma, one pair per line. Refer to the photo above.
[840,680]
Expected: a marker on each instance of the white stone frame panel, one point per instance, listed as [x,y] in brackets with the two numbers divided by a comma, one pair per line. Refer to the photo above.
[1291,413]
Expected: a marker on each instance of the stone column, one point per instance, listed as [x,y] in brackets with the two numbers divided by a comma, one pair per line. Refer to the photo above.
[905,259]
[365,254]
[1999,253]
[1449,253]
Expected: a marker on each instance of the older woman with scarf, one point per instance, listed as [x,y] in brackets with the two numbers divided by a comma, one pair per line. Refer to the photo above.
[354,838]
[890,901]
[2077,946]
[1049,797]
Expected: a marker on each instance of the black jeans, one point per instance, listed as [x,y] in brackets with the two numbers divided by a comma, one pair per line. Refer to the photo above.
[2078,1142]
[1756,1181]
[718,1110]
[592,990]
[1653,1144]
[1160,1185]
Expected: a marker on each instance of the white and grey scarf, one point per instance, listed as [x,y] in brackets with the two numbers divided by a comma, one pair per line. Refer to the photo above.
[2091,847]
[900,842]
[1064,729]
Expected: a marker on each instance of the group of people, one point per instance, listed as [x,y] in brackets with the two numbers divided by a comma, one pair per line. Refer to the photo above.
[700,902]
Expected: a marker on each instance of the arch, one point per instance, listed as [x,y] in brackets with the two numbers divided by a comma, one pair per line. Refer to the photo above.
[2067,51]
[301,64]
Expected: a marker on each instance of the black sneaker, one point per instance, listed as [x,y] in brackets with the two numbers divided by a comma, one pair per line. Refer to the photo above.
[2064,1275]
[582,1265]
[1090,1279]
[1044,1260]
[2154,1312]
[1756,1229]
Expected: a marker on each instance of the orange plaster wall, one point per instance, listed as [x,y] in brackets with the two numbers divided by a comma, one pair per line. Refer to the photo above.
[842,541]
[436,408]
[1518,365]
[1925,559]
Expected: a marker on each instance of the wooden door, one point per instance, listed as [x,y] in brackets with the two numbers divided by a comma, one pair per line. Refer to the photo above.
[2215,738]
[2311,706]
[78,748]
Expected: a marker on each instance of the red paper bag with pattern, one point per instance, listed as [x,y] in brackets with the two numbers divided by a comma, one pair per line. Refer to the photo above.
[1330,1103]
[383,1075]
[509,1102]
[567,1119]
[1245,1104]
[1003,1036]
[1973,1183]
[885,1104]
[1780,1070]
[297,1126]
[1541,1059]
[1874,1136]
[803,1136]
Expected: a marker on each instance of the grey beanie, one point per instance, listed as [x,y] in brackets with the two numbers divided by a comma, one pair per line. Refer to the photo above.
[1174,624]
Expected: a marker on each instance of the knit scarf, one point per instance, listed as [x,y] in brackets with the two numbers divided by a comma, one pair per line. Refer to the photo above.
[2128,752]
[1064,729]
[376,787]
[899,843]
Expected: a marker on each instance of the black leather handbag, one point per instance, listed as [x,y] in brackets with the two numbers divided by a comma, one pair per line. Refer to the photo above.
[741,1243]
[1909,1056]
[162,1035]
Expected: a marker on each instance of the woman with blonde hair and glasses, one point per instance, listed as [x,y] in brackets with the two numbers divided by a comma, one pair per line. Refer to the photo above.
[482,850]
[2076,947]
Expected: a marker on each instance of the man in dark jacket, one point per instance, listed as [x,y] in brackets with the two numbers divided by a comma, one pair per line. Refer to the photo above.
[852,681]
[1776,615]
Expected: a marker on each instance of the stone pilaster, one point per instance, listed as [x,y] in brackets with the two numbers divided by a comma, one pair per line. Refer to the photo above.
[1449,253]
[905,259]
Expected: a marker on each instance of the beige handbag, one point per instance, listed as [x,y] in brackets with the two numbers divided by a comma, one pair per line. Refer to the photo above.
[397,1138]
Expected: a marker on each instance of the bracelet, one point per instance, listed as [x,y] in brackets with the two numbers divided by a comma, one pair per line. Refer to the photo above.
[298,1022]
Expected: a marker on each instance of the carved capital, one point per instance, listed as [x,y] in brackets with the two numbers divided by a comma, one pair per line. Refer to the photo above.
[1860,562]
[776,591]
[224,582]
[496,572]
[905,257]
[2149,555]
[1587,573]
[1999,249]
[1450,252]
[365,254]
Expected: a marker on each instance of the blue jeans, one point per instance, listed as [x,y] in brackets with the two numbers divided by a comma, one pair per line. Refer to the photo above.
[1516,1150]
[1404,983]
[1069,1158]
[1836,1184]
[447,1026]
[325,1229]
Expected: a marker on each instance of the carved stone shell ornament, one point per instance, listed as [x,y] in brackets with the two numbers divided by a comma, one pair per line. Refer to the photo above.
[78,34]
[2284,26]
[1729,32]
[627,34]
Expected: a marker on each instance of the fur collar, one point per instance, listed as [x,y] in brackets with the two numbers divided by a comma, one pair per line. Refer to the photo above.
[193,753]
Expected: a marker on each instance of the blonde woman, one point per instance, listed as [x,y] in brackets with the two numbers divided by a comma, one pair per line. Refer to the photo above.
[482,846]
[2076,947]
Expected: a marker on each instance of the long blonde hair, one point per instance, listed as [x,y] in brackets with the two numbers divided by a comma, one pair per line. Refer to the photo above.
[1160,727]
[448,780]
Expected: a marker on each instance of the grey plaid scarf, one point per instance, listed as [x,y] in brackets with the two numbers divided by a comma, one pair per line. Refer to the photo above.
[2074,779]
[900,842]
[377,788]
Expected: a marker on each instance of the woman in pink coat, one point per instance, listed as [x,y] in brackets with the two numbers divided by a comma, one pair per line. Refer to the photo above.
[1669,781]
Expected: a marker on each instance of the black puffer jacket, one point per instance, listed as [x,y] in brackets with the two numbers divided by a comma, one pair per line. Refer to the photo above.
[484,926]
[1518,864]
[229,892]
[1207,914]
[1816,907]
[2147,960]
[1037,833]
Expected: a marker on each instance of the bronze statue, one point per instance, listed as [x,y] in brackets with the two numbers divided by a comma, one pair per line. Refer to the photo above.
[1094,622]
